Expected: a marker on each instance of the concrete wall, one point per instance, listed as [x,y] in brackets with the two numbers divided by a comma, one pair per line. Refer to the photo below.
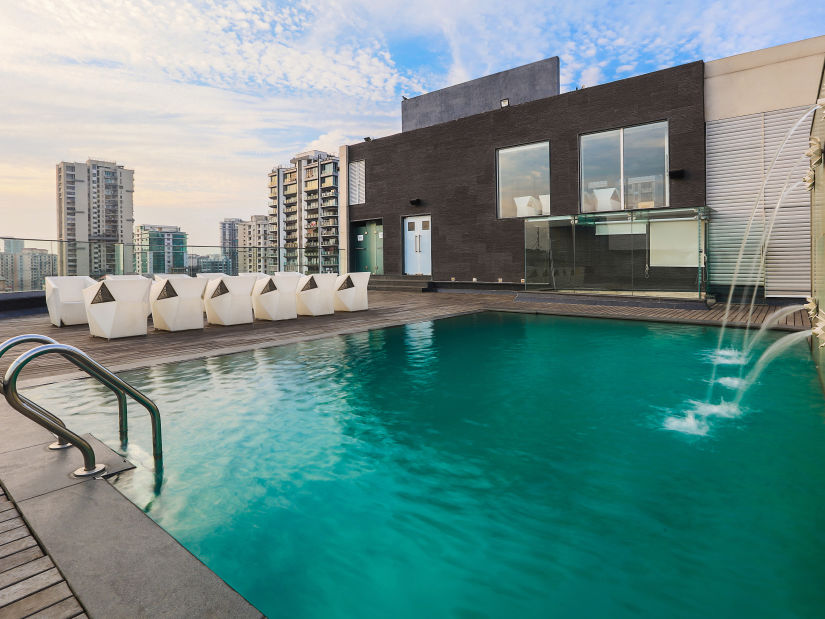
[769,79]
[451,168]
[530,82]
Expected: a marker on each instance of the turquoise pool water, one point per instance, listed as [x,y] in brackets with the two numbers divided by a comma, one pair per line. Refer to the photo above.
[496,465]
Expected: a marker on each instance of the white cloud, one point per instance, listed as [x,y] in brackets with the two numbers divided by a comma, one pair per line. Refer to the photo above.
[202,98]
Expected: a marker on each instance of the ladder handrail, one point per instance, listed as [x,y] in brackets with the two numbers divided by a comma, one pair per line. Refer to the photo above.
[42,339]
[94,369]
[45,339]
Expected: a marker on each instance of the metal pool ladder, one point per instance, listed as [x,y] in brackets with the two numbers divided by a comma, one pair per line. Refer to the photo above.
[42,417]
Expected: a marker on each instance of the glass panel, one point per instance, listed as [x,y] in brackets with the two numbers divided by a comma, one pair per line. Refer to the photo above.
[411,225]
[524,180]
[645,161]
[550,257]
[601,172]
[605,245]
[425,225]
[671,259]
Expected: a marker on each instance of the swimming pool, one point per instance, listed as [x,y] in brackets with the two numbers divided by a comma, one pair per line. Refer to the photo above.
[488,465]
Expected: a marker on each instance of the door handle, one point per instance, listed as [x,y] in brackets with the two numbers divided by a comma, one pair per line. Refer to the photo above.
[418,243]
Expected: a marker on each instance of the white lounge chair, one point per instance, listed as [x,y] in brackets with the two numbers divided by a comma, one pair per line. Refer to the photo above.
[228,300]
[351,292]
[314,294]
[273,297]
[64,299]
[116,307]
[177,303]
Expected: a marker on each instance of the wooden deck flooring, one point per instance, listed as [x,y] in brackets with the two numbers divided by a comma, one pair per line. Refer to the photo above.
[386,309]
[30,584]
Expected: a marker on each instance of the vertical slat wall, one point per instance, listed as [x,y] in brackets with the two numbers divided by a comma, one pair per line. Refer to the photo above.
[734,175]
[739,153]
[788,264]
[357,187]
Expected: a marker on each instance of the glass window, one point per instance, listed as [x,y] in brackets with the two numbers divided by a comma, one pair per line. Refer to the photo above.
[645,153]
[601,170]
[624,168]
[524,180]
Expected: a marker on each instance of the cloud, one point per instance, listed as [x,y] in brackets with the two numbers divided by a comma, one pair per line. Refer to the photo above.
[202,98]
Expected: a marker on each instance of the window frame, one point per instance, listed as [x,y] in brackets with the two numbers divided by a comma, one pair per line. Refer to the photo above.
[622,178]
[498,176]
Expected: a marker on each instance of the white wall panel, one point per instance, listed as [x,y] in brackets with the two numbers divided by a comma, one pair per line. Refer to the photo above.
[740,152]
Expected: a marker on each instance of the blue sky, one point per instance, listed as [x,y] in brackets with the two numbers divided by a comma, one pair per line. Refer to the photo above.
[203,98]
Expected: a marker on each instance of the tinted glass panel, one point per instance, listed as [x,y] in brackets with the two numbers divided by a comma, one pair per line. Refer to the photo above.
[644,165]
[524,180]
[601,171]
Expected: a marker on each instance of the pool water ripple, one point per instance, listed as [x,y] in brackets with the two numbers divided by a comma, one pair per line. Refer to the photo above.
[494,465]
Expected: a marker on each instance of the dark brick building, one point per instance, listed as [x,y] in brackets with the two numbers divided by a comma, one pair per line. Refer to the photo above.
[449,171]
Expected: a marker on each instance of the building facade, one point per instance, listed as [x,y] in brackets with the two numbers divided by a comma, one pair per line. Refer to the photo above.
[305,213]
[25,269]
[554,193]
[95,217]
[160,249]
[643,185]
[229,241]
[256,252]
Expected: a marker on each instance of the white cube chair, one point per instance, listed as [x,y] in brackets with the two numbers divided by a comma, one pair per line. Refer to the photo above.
[351,292]
[228,300]
[177,303]
[315,293]
[64,299]
[159,276]
[133,277]
[117,307]
[273,297]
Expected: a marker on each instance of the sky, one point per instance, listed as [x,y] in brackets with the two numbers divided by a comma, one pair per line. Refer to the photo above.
[202,99]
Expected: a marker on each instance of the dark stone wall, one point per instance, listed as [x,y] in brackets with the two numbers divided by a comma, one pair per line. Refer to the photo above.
[529,82]
[451,168]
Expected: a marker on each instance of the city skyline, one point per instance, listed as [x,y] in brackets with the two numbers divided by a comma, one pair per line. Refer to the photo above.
[203,101]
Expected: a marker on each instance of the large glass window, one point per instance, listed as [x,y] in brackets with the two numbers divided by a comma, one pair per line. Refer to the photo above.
[624,168]
[524,180]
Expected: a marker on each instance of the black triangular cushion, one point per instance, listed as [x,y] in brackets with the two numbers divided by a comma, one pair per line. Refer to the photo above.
[310,284]
[167,292]
[270,287]
[347,283]
[220,290]
[103,295]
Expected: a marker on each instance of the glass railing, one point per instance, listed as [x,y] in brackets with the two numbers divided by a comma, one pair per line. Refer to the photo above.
[646,252]
[25,263]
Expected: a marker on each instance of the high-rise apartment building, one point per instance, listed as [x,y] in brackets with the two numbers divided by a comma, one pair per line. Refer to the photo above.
[25,269]
[229,242]
[256,252]
[160,249]
[304,213]
[95,216]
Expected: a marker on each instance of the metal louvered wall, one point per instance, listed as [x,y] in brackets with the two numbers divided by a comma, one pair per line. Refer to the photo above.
[740,151]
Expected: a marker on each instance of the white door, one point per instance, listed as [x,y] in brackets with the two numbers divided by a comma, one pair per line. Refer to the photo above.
[417,245]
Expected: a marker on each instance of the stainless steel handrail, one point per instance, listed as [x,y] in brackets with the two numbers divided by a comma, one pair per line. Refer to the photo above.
[121,397]
[41,339]
[94,369]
